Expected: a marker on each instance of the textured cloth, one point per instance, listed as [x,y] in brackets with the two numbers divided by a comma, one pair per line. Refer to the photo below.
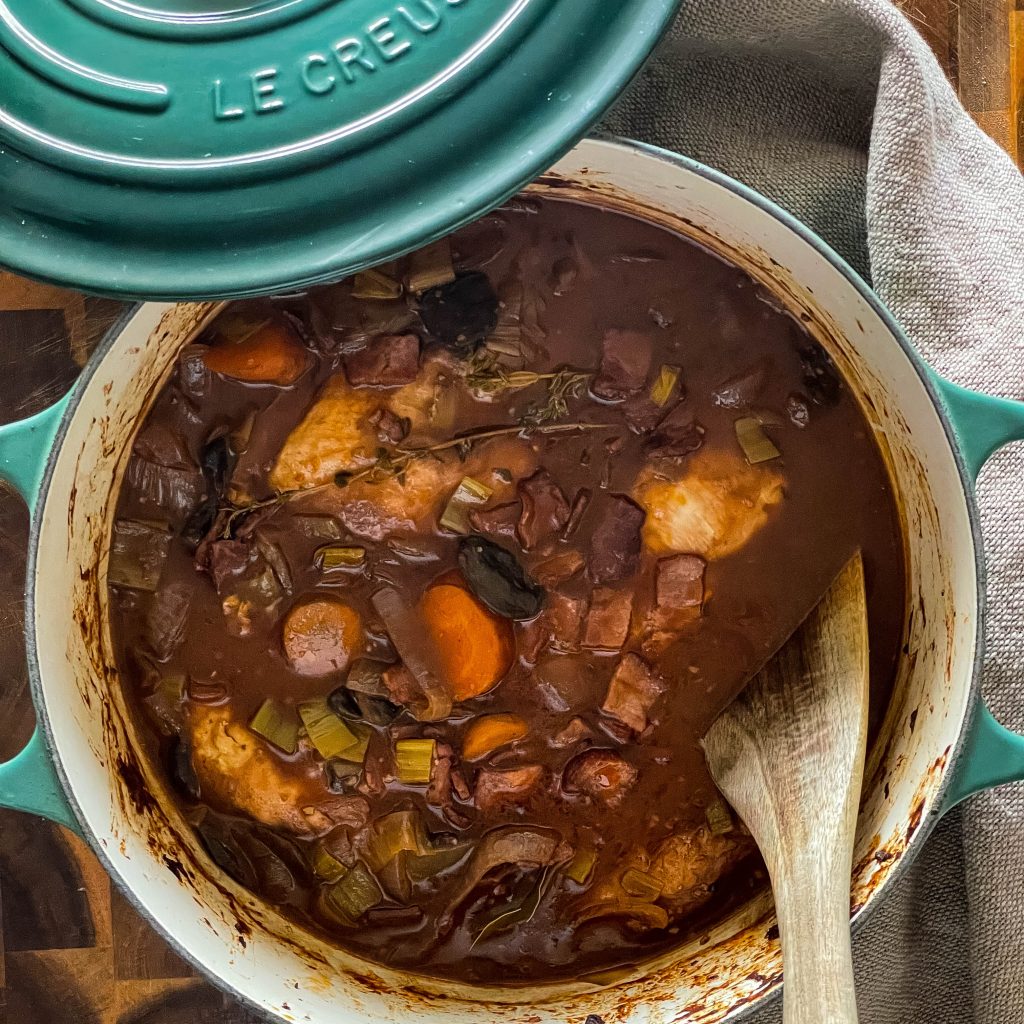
[838,111]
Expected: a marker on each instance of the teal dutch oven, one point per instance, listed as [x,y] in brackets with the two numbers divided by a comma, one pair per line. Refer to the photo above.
[185,149]
[85,766]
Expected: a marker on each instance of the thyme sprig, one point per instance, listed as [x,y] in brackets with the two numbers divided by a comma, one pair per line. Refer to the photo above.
[393,463]
[487,376]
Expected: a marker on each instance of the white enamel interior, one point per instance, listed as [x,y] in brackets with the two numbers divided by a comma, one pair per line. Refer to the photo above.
[293,976]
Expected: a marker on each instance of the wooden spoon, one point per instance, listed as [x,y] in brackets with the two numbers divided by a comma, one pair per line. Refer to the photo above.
[788,754]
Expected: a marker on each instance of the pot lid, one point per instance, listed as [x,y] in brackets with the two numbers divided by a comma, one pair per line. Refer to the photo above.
[185,149]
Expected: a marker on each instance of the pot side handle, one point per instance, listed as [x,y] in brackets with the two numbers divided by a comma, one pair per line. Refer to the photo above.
[992,754]
[29,782]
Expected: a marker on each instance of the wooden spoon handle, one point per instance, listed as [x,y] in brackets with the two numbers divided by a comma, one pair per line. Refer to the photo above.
[814,925]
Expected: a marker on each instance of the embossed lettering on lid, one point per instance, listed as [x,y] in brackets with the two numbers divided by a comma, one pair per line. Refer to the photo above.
[160,128]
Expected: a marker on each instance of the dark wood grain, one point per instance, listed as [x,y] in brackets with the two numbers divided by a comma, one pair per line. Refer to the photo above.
[72,951]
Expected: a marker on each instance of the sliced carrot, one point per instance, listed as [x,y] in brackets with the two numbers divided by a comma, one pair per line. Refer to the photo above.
[271,354]
[474,646]
[321,636]
[488,733]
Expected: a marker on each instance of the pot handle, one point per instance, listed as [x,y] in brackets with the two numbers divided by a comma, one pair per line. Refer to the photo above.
[29,782]
[992,754]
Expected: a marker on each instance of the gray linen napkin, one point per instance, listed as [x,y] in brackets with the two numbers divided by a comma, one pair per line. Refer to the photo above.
[837,110]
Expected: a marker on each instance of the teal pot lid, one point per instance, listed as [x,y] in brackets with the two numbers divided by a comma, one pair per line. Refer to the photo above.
[186,149]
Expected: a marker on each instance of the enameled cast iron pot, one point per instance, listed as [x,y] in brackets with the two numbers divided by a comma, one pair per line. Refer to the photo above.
[83,767]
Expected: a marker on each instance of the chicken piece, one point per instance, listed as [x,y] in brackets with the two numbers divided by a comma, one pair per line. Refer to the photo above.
[687,864]
[377,509]
[236,771]
[712,510]
[338,432]
[334,436]
[429,402]
[632,692]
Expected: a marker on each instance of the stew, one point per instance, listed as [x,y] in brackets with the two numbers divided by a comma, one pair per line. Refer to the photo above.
[425,586]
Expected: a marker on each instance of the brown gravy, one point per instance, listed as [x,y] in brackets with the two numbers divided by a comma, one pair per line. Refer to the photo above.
[606,589]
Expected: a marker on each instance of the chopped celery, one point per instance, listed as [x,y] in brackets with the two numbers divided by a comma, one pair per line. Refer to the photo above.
[413,761]
[719,819]
[372,284]
[662,388]
[277,724]
[327,732]
[337,556]
[325,865]
[362,734]
[756,444]
[641,885]
[469,493]
[581,866]
[353,894]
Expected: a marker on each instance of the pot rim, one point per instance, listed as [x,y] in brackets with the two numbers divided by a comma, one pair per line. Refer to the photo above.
[823,250]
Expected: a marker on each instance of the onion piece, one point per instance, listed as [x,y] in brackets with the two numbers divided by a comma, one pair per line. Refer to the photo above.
[410,640]
[510,844]
[648,914]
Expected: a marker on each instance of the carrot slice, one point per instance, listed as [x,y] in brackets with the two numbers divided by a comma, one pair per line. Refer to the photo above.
[321,636]
[474,646]
[272,354]
[490,732]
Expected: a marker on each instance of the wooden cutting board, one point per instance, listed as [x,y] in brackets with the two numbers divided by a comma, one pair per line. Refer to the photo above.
[72,950]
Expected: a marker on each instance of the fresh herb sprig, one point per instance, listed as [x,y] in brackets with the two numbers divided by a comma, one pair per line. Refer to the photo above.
[392,463]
